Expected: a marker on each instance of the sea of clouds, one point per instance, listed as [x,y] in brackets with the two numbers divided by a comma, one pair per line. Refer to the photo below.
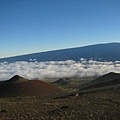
[57,69]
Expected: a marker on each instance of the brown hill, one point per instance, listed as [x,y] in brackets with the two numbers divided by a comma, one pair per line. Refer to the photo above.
[16,79]
[18,86]
[105,80]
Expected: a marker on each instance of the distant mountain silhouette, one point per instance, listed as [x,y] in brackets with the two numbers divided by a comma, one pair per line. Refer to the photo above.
[105,80]
[19,86]
[102,52]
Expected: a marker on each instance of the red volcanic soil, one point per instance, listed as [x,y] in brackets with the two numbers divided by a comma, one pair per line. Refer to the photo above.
[18,86]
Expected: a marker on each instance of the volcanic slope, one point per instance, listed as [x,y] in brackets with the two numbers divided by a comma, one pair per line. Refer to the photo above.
[61,81]
[103,81]
[103,52]
[19,86]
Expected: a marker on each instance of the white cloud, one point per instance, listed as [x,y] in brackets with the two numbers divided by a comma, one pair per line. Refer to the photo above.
[57,69]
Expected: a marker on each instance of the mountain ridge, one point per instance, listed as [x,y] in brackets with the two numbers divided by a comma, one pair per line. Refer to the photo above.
[61,81]
[101,52]
[105,80]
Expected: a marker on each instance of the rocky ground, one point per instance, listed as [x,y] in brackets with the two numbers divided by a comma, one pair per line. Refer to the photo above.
[102,105]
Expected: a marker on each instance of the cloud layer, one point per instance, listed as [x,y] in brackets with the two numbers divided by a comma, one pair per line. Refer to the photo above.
[57,69]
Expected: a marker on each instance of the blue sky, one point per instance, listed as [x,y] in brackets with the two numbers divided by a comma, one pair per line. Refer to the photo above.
[29,26]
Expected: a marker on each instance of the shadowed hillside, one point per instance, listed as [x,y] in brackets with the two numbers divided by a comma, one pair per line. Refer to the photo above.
[61,81]
[18,86]
[16,79]
[105,80]
[107,52]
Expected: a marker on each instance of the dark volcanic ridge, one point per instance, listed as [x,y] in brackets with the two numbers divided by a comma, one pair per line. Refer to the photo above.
[61,81]
[16,79]
[19,86]
[106,80]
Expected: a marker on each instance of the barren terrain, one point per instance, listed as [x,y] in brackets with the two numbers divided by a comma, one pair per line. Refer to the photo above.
[71,103]
[103,105]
